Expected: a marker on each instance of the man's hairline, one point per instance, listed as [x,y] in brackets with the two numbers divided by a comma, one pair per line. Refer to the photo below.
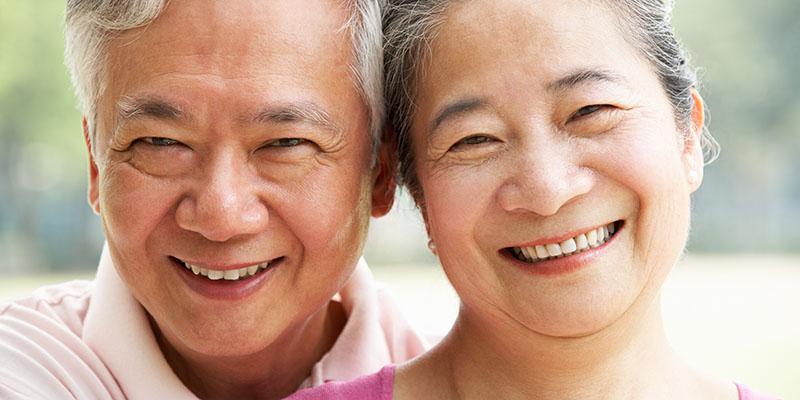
[102,72]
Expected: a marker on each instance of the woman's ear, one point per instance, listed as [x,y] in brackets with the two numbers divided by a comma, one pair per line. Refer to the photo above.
[692,148]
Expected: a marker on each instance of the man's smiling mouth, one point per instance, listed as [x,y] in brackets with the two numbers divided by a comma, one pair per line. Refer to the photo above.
[236,274]
[585,241]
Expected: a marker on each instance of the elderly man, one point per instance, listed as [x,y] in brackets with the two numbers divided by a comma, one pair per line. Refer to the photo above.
[234,159]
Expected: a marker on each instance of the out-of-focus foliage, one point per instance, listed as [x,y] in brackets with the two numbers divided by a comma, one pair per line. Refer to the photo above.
[750,200]
[45,223]
[750,58]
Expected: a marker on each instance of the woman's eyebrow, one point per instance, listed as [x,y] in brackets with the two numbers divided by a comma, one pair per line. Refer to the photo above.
[581,76]
[456,108]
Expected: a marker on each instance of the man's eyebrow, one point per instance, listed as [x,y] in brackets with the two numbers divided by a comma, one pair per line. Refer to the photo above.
[129,108]
[304,112]
[582,76]
[457,108]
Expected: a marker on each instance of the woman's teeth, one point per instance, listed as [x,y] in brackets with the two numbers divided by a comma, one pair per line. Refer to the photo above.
[584,241]
[228,275]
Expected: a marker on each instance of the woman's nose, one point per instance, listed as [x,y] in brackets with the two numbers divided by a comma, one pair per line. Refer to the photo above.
[224,202]
[544,177]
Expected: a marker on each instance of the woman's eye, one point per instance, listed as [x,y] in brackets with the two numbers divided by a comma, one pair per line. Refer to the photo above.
[473,141]
[160,141]
[588,110]
[287,142]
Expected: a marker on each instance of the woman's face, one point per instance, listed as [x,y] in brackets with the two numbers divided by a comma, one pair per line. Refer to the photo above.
[537,124]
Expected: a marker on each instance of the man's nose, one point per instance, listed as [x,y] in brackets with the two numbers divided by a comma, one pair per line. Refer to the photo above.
[546,176]
[224,201]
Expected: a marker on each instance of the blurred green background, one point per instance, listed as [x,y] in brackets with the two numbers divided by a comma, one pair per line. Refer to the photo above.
[746,214]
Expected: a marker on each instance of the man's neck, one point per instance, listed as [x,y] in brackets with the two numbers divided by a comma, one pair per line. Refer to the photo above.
[272,373]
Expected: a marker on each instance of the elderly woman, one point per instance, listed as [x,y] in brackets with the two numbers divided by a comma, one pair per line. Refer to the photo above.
[552,147]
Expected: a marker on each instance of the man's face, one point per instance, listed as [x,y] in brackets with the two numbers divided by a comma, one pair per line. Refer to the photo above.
[232,168]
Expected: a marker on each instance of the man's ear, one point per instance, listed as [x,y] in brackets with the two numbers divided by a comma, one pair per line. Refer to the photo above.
[94,191]
[384,175]
[692,148]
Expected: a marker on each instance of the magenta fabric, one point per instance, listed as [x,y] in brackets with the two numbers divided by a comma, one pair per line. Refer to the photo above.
[379,387]
[369,387]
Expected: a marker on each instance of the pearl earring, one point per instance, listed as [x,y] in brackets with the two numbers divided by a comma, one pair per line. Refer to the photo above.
[432,246]
[692,177]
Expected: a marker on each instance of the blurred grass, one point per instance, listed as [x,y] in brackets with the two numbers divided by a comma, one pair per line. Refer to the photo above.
[733,316]
[18,286]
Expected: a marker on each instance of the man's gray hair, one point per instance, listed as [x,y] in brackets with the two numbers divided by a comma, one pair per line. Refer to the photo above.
[91,24]
[411,25]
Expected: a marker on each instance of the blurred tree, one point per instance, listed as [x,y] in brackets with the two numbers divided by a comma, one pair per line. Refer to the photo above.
[44,220]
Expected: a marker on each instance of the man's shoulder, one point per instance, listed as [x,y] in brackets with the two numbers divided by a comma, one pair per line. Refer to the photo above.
[43,352]
[64,304]
[376,304]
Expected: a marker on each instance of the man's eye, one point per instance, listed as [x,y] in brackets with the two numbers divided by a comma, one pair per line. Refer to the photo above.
[287,142]
[160,141]
[588,110]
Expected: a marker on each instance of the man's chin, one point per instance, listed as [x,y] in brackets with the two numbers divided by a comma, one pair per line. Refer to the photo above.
[220,339]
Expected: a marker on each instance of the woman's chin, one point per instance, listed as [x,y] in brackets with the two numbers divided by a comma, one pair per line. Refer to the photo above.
[565,319]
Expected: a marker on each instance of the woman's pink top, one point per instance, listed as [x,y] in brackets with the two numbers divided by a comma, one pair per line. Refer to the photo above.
[745,393]
[369,387]
[379,387]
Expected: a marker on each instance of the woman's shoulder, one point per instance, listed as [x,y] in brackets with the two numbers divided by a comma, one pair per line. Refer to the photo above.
[368,387]
[746,393]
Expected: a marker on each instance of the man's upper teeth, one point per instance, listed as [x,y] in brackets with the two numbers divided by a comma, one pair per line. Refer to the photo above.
[577,244]
[230,275]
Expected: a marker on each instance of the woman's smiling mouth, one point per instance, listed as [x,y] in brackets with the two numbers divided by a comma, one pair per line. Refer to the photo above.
[582,242]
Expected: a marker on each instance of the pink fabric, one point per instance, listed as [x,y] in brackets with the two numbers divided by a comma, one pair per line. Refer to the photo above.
[745,393]
[369,387]
[92,340]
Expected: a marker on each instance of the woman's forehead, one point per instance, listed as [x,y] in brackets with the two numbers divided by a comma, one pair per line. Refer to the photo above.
[476,35]
[512,45]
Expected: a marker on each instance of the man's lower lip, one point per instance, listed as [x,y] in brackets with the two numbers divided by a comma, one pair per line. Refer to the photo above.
[224,289]
[566,264]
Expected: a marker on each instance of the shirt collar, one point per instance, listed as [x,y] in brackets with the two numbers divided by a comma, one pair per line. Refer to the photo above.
[118,330]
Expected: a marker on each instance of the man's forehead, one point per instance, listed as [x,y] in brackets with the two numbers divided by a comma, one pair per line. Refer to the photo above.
[213,35]
[272,58]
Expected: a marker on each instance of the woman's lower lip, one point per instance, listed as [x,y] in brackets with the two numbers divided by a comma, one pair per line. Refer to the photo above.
[567,264]
[224,289]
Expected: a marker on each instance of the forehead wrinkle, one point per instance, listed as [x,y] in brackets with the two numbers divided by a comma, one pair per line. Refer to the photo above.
[583,76]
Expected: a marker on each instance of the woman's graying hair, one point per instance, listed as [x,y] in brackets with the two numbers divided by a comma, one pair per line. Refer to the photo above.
[91,24]
[411,25]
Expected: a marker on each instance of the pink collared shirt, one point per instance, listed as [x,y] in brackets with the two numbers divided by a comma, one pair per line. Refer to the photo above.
[92,340]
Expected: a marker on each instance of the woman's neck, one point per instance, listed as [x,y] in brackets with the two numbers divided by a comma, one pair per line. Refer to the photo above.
[499,358]
[273,373]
